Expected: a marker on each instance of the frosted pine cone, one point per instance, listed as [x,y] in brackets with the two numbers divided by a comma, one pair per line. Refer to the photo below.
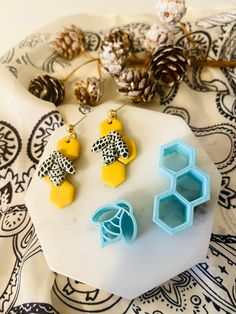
[115,48]
[170,11]
[89,92]
[169,65]
[70,42]
[48,88]
[157,36]
[138,84]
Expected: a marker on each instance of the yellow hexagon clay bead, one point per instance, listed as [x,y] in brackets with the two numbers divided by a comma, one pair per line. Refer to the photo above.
[105,127]
[132,151]
[62,195]
[113,174]
[69,149]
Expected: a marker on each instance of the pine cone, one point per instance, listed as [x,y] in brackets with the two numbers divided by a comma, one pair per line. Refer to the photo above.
[157,36]
[170,11]
[89,92]
[169,64]
[48,88]
[115,48]
[138,84]
[70,42]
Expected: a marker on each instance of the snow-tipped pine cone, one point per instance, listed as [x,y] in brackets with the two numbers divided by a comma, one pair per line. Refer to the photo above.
[170,11]
[90,91]
[116,46]
[157,36]
[138,84]
[69,42]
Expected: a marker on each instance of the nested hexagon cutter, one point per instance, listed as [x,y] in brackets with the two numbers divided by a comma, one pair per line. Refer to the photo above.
[189,187]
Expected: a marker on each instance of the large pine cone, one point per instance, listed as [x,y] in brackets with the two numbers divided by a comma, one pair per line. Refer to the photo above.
[115,48]
[169,64]
[70,42]
[89,92]
[138,84]
[48,88]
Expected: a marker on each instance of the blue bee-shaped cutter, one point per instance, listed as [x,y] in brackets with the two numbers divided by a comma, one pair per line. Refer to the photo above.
[116,222]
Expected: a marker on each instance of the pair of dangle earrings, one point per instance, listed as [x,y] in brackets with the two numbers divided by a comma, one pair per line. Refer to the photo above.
[117,152]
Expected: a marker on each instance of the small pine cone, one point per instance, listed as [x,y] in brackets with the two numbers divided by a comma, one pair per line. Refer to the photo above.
[138,84]
[157,36]
[170,11]
[89,92]
[115,48]
[169,65]
[48,88]
[70,42]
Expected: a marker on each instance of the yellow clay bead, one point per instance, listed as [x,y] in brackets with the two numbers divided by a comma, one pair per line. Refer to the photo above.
[132,151]
[113,174]
[62,195]
[105,127]
[69,149]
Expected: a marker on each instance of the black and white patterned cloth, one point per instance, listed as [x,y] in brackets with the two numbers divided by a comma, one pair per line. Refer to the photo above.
[205,100]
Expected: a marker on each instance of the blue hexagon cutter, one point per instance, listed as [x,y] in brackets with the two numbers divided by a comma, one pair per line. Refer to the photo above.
[116,222]
[189,187]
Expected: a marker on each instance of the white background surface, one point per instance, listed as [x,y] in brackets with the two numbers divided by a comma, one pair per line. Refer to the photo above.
[106,268]
[19,18]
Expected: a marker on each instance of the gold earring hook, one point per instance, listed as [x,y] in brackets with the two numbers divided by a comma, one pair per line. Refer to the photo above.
[70,128]
[112,113]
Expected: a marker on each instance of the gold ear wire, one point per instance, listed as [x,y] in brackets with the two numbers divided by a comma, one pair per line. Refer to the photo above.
[111,115]
[70,128]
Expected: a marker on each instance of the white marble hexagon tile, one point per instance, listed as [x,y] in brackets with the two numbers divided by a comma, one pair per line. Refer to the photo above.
[205,100]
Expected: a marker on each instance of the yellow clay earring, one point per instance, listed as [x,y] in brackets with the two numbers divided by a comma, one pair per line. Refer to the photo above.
[58,165]
[117,150]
